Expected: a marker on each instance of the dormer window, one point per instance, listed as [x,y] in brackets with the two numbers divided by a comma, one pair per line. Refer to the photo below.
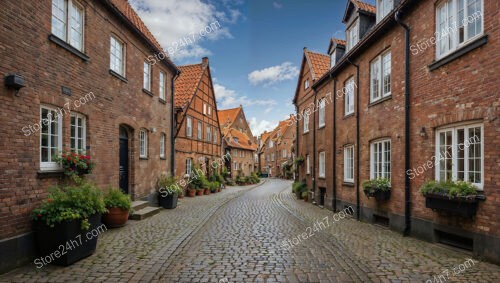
[235,140]
[383,8]
[306,84]
[332,59]
[353,35]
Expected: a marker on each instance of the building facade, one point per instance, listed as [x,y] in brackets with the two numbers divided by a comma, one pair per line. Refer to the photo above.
[238,142]
[409,100]
[89,86]
[276,152]
[198,137]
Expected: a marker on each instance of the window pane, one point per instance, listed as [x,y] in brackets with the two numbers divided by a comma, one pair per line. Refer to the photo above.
[460,154]
[76,25]
[386,65]
[59,18]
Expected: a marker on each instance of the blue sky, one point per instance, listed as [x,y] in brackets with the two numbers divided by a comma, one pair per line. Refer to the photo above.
[255,50]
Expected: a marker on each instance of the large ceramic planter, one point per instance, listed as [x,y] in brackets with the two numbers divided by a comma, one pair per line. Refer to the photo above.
[67,240]
[168,202]
[191,192]
[379,195]
[116,217]
[461,206]
[199,192]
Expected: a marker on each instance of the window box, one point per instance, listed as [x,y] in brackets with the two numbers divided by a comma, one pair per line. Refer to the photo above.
[463,206]
[380,189]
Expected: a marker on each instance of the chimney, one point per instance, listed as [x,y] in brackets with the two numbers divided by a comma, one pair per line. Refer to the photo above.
[204,61]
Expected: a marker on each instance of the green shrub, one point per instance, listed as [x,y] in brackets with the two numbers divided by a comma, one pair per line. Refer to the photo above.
[450,189]
[116,198]
[298,188]
[230,182]
[254,178]
[376,185]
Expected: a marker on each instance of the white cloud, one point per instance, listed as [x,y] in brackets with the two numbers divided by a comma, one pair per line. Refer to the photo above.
[227,98]
[277,5]
[274,74]
[258,127]
[173,22]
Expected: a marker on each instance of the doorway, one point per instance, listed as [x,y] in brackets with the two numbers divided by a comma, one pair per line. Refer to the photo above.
[124,160]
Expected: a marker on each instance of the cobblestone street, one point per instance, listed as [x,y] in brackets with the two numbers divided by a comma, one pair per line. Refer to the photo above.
[238,236]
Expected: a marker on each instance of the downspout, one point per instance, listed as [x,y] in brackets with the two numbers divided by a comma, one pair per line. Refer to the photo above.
[314,148]
[334,139]
[172,127]
[357,139]
[297,178]
[407,228]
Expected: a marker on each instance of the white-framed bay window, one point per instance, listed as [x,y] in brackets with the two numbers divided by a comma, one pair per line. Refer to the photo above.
[384,7]
[460,154]
[162,145]
[321,112]
[321,164]
[306,114]
[349,164]
[78,132]
[68,22]
[143,143]
[457,23]
[117,56]
[380,159]
[50,138]
[162,84]
[349,97]
[380,76]
[352,35]
[147,76]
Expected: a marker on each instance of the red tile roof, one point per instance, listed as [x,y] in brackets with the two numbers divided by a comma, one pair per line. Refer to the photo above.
[319,63]
[186,84]
[244,142]
[228,116]
[364,6]
[338,41]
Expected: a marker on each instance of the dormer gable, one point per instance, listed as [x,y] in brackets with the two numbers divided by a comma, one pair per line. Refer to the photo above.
[336,50]
[359,17]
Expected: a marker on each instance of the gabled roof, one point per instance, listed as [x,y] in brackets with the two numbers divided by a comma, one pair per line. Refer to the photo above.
[361,6]
[244,142]
[228,116]
[187,83]
[336,42]
[319,63]
[124,10]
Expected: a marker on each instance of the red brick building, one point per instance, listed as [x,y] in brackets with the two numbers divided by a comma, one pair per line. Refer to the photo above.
[198,137]
[238,142]
[403,105]
[89,85]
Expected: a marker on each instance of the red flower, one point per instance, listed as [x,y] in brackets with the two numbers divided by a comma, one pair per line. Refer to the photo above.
[70,169]
[69,158]
[50,200]
[39,215]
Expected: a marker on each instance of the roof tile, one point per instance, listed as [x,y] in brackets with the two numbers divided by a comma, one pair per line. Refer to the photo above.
[186,84]
[364,6]
[320,63]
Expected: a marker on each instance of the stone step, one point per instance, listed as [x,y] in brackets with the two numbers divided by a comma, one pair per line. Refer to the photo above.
[139,204]
[144,213]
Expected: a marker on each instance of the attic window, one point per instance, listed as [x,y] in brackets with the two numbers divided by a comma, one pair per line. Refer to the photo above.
[332,59]
[352,35]
[383,8]
[235,140]
[306,84]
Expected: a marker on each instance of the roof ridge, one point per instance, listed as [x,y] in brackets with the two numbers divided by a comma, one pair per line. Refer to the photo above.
[190,65]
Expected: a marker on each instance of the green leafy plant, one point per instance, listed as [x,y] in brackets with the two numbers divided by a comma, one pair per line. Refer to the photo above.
[449,189]
[169,186]
[299,160]
[376,185]
[75,164]
[298,188]
[304,194]
[77,202]
[116,198]
[254,178]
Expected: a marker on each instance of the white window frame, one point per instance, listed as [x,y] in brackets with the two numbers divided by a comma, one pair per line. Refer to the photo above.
[333,59]
[117,52]
[146,76]
[271,144]
[204,108]
[162,85]
[235,165]
[384,7]
[143,144]
[352,35]
[199,133]
[308,165]
[321,164]
[272,156]
[215,135]
[450,40]
[209,133]
[321,112]
[80,141]
[349,164]
[162,145]
[306,84]
[209,110]
[380,162]
[455,147]
[189,127]
[380,67]
[189,166]
[306,115]
[349,97]
[67,20]
[54,115]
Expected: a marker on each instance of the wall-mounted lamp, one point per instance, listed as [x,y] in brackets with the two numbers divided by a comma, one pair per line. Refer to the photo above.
[422,132]
[153,130]
[14,81]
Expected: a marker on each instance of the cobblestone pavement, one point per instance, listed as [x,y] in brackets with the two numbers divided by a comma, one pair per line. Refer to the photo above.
[239,236]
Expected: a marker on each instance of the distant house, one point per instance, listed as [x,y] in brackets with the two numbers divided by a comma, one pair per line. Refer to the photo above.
[238,141]
[197,133]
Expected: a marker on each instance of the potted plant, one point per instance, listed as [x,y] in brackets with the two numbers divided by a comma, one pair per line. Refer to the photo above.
[63,221]
[305,195]
[379,188]
[457,198]
[299,160]
[118,207]
[169,191]
[298,188]
[75,164]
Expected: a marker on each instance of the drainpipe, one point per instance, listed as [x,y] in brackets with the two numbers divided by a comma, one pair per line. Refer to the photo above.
[314,148]
[334,139]
[357,139]
[407,227]
[297,178]
[172,127]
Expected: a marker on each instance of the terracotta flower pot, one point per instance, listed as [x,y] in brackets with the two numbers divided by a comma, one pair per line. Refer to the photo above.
[199,192]
[207,191]
[191,192]
[116,217]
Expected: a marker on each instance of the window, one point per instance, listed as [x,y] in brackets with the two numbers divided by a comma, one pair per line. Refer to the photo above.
[380,77]
[209,110]
[204,109]
[78,131]
[349,164]
[308,165]
[306,84]
[67,22]
[200,130]
[271,144]
[50,138]
[459,154]
[380,159]
[349,96]
[189,165]
[284,153]
[215,135]
[189,127]
[321,112]
[117,56]
[322,164]
[209,133]
[333,59]
[143,146]
[467,14]
[241,153]
[235,165]
[162,85]
[272,156]
[147,76]
[162,145]
[383,8]
[306,120]
[352,35]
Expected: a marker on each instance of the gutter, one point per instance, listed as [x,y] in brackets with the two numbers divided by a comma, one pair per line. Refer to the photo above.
[407,227]
[357,137]
[173,126]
